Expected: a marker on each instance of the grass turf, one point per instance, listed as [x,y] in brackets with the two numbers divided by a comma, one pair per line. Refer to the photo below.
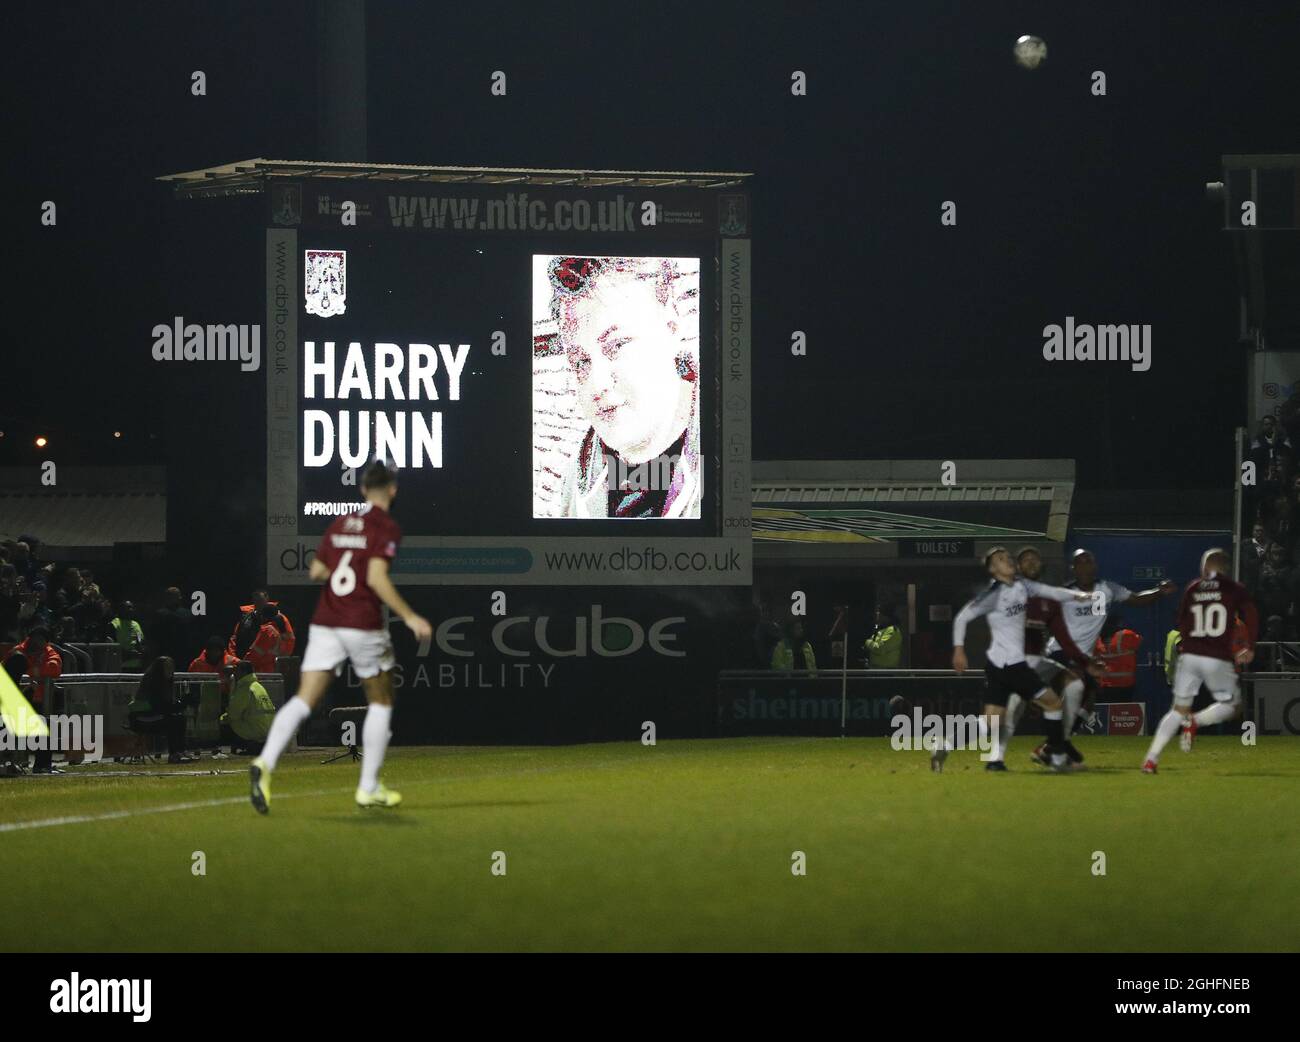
[683,846]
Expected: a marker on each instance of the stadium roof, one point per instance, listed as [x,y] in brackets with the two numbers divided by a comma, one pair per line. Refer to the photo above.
[89,507]
[249,176]
[853,509]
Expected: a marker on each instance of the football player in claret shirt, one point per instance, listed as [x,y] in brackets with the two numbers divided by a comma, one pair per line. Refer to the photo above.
[1206,620]
[352,560]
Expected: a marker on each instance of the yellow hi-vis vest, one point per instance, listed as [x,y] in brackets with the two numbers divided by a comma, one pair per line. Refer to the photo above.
[1172,640]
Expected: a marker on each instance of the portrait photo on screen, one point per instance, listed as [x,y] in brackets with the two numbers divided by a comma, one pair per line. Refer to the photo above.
[616,387]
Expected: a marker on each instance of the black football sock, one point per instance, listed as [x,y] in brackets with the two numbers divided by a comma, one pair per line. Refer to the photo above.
[1055,733]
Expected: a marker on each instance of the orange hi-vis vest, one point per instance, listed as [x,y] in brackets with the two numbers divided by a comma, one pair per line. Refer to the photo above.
[1120,658]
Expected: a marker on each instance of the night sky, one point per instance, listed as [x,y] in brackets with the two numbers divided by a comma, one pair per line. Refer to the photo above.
[923,341]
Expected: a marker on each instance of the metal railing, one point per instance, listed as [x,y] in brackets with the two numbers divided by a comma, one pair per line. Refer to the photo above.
[107,696]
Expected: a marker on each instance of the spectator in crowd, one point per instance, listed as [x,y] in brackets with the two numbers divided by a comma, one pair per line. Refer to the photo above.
[767,635]
[227,685]
[75,659]
[885,645]
[1117,647]
[10,603]
[156,709]
[70,584]
[213,657]
[24,563]
[1252,555]
[127,634]
[43,661]
[27,603]
[169,629]
[1259,539]
[1275,477]
[1280,523]
[269,610]
[262,634]
[106,616]
[44,665]
[247,721]
[793,652]
[1268,442]
[280,620]
[84,611]
[1275,588]
[92,613]
[43,614]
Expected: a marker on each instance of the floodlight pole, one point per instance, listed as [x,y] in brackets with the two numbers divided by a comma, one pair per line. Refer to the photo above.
[341,81]
[844,684]
[1236,504]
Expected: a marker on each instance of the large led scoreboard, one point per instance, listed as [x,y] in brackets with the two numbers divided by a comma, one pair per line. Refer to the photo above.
[557,363]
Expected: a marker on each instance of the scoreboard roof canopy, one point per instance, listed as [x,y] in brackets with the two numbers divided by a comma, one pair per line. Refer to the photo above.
[250,176]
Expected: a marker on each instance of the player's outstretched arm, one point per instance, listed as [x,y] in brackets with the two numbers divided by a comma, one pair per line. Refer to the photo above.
[1165,589]
[1056,593]
[377,579]
[319,570]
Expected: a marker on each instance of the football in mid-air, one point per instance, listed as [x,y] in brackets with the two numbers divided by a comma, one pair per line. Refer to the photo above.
[1030,51]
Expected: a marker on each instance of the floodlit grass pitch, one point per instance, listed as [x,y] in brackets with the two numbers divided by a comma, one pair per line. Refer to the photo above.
[683,846]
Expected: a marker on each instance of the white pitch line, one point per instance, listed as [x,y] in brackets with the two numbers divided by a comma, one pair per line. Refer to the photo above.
[114,815]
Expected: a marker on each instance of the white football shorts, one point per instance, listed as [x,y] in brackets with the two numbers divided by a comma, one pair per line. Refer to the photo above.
[328,647]
[1194,670]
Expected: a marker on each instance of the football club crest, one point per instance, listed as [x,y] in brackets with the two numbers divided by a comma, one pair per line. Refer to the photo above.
[731,215]
[286,204]
[326,287]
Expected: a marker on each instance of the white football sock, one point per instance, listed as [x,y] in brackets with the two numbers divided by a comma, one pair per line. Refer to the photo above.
[990,729]
[999,737]
[286,722]
[374,743]
[1015,710]
[1215,714]
[1073,698]
[1170,724]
